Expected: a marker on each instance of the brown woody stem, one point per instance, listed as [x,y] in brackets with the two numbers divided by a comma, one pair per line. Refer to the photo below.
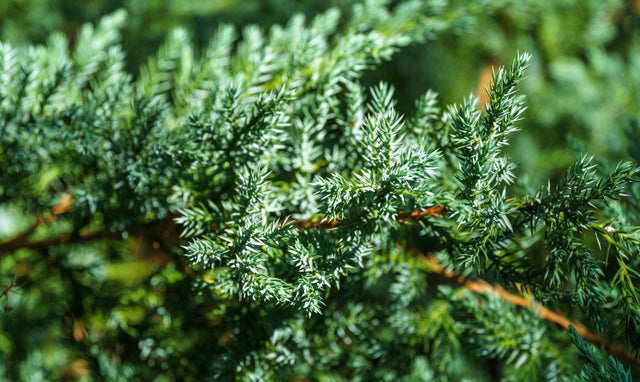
[483,287]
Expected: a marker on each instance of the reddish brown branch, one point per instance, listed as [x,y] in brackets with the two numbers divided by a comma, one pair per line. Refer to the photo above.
[59,240]
[161,228]
[6,292]
[22,240]
[482,287]
[8,289]
[413,215]
[305,224]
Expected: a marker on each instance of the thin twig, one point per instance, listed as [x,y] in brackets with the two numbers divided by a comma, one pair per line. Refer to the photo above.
[21,240]
[62,239]
[6,293]
[402,217]
[483,287]
[8,290]
[159,228]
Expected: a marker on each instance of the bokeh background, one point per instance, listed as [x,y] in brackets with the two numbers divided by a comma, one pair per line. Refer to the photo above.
[124,305]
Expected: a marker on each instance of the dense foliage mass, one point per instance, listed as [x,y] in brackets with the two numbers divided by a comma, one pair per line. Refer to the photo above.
[260,206]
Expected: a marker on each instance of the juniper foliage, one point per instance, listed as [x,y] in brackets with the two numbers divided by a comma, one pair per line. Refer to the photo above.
[308,207]
[595,369]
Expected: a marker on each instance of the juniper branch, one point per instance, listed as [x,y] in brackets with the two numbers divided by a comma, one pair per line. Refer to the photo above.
[480,286]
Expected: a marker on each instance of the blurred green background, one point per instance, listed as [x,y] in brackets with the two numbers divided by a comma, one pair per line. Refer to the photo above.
[583,87]
[121,309]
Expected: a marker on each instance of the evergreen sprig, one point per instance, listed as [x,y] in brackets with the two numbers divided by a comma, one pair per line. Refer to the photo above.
[595,369]
[305,202]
